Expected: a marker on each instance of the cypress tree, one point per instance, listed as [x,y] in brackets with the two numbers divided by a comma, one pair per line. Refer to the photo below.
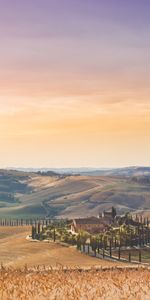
[103,252]
[119,253]
[129,256]
[54,235]
[110,250]
[38,228]
[33,232]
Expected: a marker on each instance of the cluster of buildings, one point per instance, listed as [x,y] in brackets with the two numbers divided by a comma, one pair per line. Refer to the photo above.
[94,224]
[103,222]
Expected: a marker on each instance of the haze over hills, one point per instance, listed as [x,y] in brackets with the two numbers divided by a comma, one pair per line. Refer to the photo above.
[126,171]
[50,194]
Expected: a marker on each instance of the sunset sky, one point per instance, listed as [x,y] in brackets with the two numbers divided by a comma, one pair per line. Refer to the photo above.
[74,83]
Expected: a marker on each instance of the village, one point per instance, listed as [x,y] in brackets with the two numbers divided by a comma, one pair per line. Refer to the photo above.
[104,234]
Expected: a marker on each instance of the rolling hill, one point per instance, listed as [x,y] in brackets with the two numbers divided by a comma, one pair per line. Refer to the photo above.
[49,194]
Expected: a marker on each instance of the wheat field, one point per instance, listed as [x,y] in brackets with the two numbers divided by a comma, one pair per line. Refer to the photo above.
[74,284]
[62,273]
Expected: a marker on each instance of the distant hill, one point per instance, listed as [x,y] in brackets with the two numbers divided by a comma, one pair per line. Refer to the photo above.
[11,183]
[126,171]
[50,194]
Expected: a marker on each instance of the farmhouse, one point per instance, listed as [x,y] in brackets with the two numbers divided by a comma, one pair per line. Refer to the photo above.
[91,225]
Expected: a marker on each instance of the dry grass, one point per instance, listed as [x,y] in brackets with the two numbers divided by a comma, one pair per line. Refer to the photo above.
[16,251]
[74,285]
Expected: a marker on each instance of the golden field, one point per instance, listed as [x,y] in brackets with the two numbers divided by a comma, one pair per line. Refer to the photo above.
[74,285]
[17,251]
[38,270]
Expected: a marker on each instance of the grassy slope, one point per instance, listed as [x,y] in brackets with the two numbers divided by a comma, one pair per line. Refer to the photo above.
[33,254]
[70,196]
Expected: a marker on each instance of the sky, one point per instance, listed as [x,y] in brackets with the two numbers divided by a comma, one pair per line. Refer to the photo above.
[74,83]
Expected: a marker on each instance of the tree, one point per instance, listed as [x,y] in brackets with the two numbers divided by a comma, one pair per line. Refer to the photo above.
[54,235]
[114,213]
[33,232]
[94,244]
[38,228]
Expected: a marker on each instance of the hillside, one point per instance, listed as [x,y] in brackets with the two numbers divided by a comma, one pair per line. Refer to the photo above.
[24,251]
[29,194]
